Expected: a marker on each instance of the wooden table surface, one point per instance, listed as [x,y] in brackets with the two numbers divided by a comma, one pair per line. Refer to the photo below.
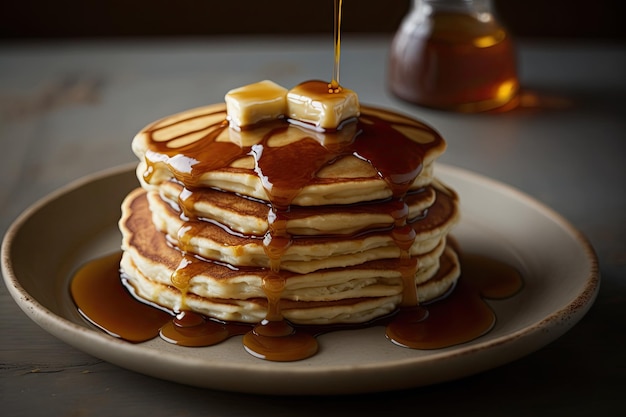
[68,109]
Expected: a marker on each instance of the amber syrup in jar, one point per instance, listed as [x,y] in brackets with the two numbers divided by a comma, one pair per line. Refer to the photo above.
[454,55]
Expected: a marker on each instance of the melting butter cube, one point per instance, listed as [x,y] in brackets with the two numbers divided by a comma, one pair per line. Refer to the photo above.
[314,103]
[256,102]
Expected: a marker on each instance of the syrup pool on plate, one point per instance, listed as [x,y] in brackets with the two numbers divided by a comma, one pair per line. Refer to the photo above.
[463,315]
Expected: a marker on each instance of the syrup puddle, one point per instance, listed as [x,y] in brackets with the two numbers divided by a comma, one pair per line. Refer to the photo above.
[461,316]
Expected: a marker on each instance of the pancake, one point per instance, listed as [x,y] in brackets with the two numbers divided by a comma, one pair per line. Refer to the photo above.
[291,213]
[173,147]
[249,217]
[336,295]
[305,254]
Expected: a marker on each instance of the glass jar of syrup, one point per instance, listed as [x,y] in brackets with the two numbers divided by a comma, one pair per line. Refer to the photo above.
[453,55]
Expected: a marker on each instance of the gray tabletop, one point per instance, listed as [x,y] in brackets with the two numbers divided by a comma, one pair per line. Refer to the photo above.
[70,109]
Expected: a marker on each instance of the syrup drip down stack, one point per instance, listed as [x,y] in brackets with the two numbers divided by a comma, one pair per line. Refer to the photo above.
[293,205]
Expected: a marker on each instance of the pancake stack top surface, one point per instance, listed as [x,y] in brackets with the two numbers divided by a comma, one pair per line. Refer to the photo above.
[298,204]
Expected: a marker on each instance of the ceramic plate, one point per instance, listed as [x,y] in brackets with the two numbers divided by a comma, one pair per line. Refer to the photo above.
[79,223]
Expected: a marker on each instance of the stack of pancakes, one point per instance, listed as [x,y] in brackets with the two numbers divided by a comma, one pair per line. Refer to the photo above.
[228,219]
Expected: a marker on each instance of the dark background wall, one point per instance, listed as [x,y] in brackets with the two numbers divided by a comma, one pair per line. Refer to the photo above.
[28,19]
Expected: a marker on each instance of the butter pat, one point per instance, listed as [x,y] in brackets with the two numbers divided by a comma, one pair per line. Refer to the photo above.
[256,102]
[312,102]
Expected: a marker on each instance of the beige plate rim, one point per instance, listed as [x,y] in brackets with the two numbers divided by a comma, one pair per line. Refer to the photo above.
[559,265]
